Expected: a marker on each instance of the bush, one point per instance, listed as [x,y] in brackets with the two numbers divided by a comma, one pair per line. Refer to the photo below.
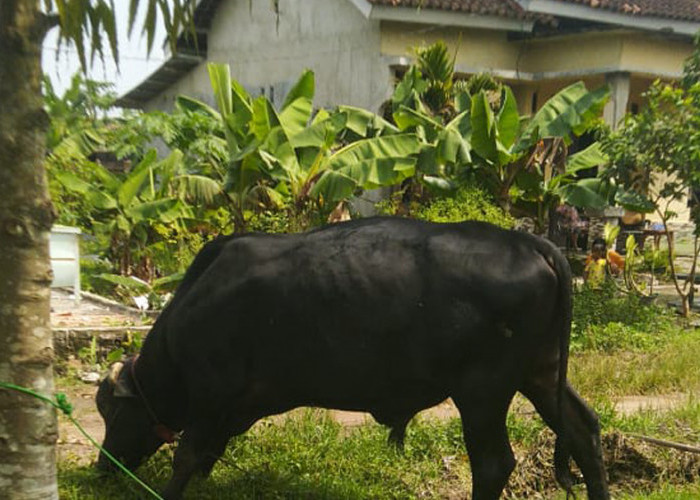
[656,260]
[468,203]
[606,320]
[270,221]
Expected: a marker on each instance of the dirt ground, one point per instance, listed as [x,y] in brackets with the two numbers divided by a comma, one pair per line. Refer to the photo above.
[66,312]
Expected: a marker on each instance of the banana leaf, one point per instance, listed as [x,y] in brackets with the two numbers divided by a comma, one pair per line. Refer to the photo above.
[483,124]
[132,184]
[572,110]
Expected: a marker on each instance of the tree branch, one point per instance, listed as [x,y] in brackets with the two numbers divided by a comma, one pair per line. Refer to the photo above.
[666,444]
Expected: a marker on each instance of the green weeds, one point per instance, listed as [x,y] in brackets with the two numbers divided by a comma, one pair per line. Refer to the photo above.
[309,455]
[671,367]
[605,320]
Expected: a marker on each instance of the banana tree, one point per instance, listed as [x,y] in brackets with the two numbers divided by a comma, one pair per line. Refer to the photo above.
[549,178]
[296,160]
[506,145]
[445,148]
[125,209]
[238,180]
[306,159]
[433,103]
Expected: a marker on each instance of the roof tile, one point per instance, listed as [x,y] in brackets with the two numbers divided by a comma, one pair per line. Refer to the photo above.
[686,10]
[502,8]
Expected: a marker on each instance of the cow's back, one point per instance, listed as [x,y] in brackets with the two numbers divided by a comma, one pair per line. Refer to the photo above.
[361,308]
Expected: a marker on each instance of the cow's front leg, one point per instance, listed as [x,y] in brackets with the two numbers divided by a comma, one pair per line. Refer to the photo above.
[483,406]
[197,452]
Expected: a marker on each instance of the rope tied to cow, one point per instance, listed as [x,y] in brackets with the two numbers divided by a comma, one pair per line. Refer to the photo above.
[62,404]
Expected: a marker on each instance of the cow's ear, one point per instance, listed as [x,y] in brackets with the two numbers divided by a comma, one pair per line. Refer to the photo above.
[118,377]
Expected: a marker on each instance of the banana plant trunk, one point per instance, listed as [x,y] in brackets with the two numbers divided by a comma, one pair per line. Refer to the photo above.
[27,426]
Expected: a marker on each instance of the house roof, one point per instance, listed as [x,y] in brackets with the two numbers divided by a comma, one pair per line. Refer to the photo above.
[188,54]
[502,8]
[686,10]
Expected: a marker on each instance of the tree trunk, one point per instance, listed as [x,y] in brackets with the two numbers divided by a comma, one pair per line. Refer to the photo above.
[27,426]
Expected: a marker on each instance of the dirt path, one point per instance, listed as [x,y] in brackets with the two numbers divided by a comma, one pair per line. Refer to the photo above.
[66,312]
[72,445]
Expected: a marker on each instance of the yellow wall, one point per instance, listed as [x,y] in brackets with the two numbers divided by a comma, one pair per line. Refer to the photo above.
[544,66]
[476,48]
[653,55]
[571,56]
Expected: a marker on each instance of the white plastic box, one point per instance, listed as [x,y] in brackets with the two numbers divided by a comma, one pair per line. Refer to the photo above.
[65,258]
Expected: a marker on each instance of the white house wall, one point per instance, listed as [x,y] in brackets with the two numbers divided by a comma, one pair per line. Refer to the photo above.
[331,37]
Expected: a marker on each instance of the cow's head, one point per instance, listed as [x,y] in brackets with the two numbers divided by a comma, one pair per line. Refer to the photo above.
[129,434]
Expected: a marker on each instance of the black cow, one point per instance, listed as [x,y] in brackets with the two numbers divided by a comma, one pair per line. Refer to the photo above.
[389,316]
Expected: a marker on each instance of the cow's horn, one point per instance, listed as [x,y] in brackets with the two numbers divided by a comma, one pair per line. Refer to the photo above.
[121,387]
[114,371]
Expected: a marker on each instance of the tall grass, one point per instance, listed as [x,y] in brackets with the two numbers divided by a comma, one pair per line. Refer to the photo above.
[673,366]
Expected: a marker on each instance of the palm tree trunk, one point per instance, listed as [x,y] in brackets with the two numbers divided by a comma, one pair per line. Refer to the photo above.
[27,426]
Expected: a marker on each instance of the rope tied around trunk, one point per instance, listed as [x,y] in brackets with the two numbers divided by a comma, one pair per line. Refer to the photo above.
[62,403]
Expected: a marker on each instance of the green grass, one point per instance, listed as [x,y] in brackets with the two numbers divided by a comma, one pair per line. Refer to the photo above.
[662,491]
[309,455]
[669,367]
[667,492]
[681,424]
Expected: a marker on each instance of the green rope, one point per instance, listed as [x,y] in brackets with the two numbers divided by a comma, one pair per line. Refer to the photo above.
[61,403]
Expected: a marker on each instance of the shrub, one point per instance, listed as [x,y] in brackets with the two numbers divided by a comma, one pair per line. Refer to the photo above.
[606,320]
[269,222]
[468,203]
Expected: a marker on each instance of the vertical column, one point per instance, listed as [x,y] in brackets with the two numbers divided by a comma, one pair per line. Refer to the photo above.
[616,107]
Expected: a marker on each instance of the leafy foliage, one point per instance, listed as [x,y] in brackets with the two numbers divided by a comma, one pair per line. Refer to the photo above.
[604,319]
[467,203]
[83,23]
[473,129]
[78,127]
[655,154]
[289,158]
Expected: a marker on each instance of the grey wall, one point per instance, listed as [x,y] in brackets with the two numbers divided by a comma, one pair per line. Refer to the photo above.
[331,37]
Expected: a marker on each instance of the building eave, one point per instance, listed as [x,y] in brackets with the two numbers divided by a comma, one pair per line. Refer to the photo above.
[575,11]
[441,18]
[190,51]
[177,66]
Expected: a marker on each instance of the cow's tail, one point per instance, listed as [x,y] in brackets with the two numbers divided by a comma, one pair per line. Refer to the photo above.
[562,328]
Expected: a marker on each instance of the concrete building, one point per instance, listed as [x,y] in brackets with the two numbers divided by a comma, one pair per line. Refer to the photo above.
[358,47]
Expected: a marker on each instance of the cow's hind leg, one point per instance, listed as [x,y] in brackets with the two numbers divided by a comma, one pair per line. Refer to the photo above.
[581,434]
[483,415]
